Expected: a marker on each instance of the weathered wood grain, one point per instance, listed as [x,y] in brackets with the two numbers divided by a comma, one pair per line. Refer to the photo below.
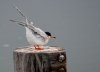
[29,60]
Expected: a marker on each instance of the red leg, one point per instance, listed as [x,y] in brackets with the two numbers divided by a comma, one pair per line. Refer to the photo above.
[38,47]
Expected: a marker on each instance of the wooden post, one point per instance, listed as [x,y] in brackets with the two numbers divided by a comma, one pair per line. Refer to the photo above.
[52,59]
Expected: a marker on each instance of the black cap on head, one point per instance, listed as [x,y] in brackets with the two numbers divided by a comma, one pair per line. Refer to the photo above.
[48,33]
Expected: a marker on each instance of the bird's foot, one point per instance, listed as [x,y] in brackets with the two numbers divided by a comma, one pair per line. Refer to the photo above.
[39,48]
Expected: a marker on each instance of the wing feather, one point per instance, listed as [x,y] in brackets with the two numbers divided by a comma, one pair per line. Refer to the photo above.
[37,31]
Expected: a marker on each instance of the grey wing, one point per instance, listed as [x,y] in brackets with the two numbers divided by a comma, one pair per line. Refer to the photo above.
[37,31]
[41,32]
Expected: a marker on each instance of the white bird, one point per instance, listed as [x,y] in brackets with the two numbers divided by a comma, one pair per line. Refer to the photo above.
[35,36]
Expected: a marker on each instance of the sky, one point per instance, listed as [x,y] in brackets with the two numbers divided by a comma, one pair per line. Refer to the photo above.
[75,23]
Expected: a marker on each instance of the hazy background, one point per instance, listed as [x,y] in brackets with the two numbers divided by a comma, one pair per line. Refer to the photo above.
[75,23]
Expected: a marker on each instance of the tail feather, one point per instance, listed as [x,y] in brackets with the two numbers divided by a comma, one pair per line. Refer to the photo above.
[27,23]
[18,22]
[22,14]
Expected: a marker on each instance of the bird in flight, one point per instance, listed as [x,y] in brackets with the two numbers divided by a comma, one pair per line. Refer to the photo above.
[35,36]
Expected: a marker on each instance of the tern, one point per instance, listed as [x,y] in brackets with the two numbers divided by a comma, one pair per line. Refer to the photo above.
[35,36]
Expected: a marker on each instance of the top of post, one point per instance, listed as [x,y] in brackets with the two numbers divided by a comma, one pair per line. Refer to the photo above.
[49,49]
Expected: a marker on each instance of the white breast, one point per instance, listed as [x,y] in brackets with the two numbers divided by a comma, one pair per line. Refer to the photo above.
[32,39]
